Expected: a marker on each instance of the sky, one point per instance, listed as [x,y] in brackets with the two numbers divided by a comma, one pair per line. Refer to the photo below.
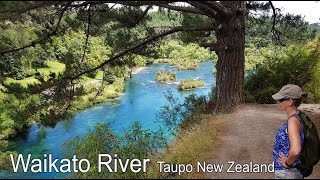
[309,9]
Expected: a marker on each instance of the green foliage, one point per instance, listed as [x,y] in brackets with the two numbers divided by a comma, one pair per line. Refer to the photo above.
[293,65]
[185,57]
[70,50]
[179,116]
[140,61]
[127,63]
[17,65]
[190,84]
[166,47]
[291,29]
[39,75]
[127,29]
[5,161]
[254,57]
[164,18]
[16,114]
[313,87]
[170,114]
[165,77]
[193,52]
[197,36]
[136,143]
[187,66]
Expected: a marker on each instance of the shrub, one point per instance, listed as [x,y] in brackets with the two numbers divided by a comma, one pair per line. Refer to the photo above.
[292,65]
[136,143]
[177,115]
[165,77]
[190,84]
[184,56]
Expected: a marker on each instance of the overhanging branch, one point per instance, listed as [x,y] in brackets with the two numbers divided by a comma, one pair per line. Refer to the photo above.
[212,46]
[183,9]
[87,33]
[274,31]
[274,16]
[143,15]
[217,7]
[202,7]
[26,7]
[140,3]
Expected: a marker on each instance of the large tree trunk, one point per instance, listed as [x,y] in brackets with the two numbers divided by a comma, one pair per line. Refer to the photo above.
[230,50]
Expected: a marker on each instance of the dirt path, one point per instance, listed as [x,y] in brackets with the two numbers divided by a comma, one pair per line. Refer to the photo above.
[250,137]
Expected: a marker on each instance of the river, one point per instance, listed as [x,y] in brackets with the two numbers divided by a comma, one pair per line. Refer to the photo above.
[142,99]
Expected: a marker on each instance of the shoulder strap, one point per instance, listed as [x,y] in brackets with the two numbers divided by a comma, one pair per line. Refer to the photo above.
[293,115]
[297,115]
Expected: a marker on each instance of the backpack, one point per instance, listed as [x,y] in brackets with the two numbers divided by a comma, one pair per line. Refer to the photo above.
[310,153]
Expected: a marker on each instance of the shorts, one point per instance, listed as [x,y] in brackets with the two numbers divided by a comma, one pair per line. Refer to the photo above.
[292,173]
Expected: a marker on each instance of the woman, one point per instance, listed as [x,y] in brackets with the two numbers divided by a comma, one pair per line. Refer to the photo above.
[290,137]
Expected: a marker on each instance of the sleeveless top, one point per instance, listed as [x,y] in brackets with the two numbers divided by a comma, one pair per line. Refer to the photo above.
[282,144]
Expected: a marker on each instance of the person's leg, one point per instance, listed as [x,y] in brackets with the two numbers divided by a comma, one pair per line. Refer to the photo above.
[279,174]
[292,173]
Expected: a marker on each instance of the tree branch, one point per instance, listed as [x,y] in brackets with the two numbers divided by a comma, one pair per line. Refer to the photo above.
[274,31]
[183,9]
[171,31]
[143,15]
[87,33]
[217,7]
[212,46]
[141,3]
[273,16]
[202,7]
[27,7]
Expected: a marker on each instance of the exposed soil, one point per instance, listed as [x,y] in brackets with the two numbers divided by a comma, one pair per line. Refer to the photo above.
[251,130]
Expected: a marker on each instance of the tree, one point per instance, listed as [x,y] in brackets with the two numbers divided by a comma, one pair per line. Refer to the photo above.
[225,19]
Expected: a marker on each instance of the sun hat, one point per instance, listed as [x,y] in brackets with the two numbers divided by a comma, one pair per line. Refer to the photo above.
[290,91]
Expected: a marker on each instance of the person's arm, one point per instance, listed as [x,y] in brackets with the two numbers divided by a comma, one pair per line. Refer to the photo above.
[294,129]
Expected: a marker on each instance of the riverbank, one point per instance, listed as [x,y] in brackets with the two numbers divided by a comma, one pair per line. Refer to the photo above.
[138,70]
[49,116]
[191,146]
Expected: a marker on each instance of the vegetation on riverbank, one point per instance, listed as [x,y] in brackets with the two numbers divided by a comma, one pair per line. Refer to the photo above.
[136,143]
[191,146]
[183,56]
[190,84]
[161,76]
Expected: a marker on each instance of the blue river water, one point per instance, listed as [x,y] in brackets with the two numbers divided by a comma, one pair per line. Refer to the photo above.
[142,99]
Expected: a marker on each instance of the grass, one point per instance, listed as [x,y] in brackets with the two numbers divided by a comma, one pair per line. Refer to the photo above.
[193,145]
[23,82]
[88,79]
[53,66]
